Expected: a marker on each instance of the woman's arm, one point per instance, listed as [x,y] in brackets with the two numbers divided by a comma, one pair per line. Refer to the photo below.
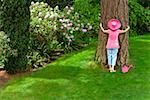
[105,31]
[123,31]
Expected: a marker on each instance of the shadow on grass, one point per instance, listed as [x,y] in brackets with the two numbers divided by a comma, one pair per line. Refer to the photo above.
[56,71]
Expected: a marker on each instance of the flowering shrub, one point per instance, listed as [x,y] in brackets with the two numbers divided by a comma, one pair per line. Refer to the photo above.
[43,26]
[71,30]
[53,28]
[5,50]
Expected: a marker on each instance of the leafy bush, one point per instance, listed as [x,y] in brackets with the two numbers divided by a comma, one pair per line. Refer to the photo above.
[14,21]
[139,18]
[89,10]
[5,50]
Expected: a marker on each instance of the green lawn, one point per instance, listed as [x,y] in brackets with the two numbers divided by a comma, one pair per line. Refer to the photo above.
[73,77]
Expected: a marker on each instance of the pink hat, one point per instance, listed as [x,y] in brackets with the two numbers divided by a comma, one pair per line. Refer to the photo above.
[114,24]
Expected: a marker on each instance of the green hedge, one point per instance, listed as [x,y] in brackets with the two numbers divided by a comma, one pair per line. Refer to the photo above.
[139,18]
[14,21]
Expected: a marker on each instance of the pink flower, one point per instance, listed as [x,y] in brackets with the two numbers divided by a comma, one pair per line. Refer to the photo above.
[70,24]
[62,27]
[61,20]
[84,30]
[70,40]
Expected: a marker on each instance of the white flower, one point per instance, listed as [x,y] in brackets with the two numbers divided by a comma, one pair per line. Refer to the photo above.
[67,20]
[64,25]
[71,8]
[84,30]
[90,27]
[71,31]
[64,33]
[77,28]
[40,13]
[66,7]
[71,36]
[88,24]
[78,25]
[47,15]
[55,28]
[78,21]
[70,24]
[32,3]
[52,16]
[46,4]
[55,23]
[42,3]
[46,9]
[40,19]
[73,28]
[32,11]
[4,36]
[69,11]
[62,15]
[8,39]
[61,20]
[82,24]
[56,8]
[37,3]
[37,25]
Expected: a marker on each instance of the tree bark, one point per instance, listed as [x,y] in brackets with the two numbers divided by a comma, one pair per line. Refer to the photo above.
[117,9]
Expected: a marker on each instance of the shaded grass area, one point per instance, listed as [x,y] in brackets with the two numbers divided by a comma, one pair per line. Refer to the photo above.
[76,77]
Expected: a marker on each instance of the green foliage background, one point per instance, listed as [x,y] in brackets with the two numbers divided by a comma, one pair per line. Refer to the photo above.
[139,18]
[138,15]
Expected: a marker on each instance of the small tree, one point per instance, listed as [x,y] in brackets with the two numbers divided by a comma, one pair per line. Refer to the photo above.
[113,9]
[14,21]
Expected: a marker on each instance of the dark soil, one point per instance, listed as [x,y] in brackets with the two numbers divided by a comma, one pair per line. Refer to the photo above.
[5,77]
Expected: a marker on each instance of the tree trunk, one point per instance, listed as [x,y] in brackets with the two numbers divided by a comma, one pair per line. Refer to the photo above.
[117,9]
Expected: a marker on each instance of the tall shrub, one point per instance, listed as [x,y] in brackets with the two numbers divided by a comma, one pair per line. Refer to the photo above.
[139,18]
[14,21]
